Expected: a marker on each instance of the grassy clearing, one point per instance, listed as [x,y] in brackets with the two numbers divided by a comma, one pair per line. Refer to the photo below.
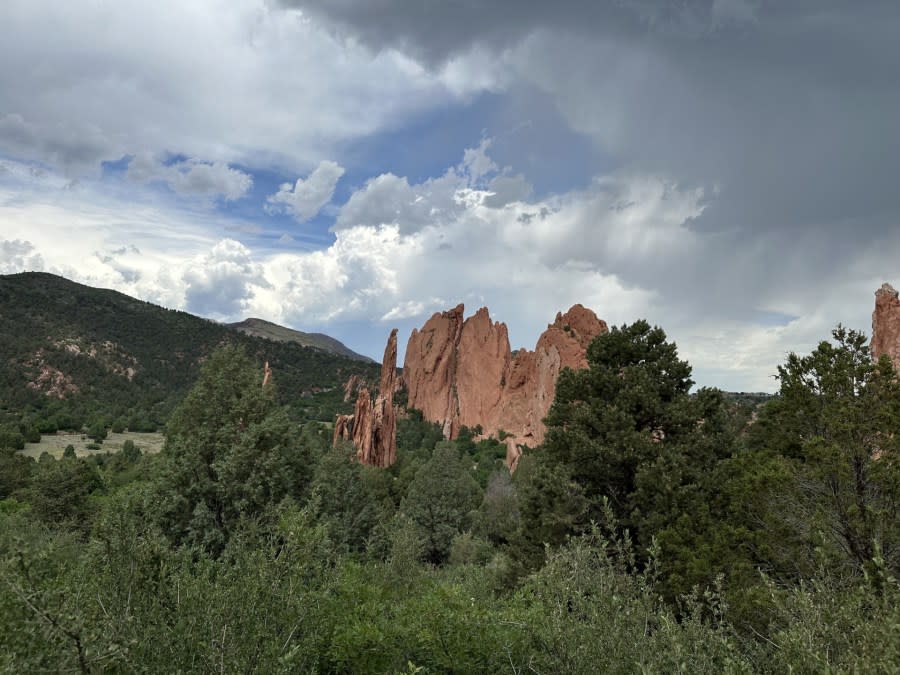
[55,444]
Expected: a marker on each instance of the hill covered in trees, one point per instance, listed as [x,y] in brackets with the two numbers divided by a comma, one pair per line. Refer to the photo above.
[73,356]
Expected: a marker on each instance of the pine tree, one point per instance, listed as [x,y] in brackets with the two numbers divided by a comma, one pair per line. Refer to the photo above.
[628,411]
[835,426]
[441,500]
[229,453]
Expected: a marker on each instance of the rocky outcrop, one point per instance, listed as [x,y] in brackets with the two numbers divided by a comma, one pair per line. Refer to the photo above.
[352,386]
[886,324]
[343,429]
[373,425]
[429,368]
[463,373]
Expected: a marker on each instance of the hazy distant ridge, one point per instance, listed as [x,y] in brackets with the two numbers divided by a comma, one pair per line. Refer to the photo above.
[272,331]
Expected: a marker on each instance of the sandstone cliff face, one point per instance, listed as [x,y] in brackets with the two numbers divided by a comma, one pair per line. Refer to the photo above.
[531,385]
[429,368]
[886,324]
[373,425]
[463,373]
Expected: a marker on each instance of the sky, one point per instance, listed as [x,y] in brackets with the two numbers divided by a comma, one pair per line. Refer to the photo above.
[726,169]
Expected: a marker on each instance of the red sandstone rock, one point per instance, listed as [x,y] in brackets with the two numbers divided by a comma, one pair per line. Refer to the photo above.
[462,373]
[343,429]
[531,383]
[513,454]
[388,383]
[886,324]
[429,369]
[482,361]
[374,422]
[352,386]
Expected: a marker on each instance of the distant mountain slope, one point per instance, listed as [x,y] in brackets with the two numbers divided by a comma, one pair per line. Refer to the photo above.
[272,331]
[71,354]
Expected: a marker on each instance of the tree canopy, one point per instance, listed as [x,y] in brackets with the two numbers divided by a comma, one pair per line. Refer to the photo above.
[230,452]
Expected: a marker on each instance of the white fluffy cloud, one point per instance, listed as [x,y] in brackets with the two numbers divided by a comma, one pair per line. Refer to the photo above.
[390,200]
[305,198]
[191,177]
[220,284]
[18,256]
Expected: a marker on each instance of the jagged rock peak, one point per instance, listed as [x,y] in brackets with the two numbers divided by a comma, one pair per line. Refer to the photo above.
[373,425]
[463,373]
[886,324]
[352,386]
[581,323]
[886,290]
[388,382]
[429,367]
[343,429]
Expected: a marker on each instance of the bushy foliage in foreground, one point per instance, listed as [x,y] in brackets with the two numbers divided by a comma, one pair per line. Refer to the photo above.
[250,545]
[283,599]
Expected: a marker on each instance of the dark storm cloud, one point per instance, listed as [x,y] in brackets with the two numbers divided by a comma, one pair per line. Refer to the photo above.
[785,113]
[790,108]
[435,31]
[72,146]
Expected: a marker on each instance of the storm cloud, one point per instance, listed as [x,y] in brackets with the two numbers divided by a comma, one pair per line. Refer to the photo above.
[783,114]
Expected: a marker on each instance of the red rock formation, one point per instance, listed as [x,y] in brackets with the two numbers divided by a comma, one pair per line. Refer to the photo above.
[886,324]
[462,373]
[513,453]
[483,357]
[352,386]
[373,425]
[343,429]
[429,369]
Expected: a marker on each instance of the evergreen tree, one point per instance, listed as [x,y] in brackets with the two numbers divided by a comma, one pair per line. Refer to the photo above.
[341,499]
[834,428]
[626,428]
[440,500]
[130,451]
[552,506]
[230,452]
[15,472]
[60,491]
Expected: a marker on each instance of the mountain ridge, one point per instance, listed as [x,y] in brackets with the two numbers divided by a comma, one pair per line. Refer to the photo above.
[71,354]
[272,331]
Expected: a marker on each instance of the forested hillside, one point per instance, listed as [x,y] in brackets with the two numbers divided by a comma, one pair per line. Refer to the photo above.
[657,530]
[73,356]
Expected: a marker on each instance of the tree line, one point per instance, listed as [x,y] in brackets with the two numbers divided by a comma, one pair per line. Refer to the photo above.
[657,529]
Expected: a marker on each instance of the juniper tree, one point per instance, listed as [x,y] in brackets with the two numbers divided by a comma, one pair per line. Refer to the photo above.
[230,452]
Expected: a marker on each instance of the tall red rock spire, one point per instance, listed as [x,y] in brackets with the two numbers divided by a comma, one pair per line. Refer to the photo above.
[886,324]
[373,425]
